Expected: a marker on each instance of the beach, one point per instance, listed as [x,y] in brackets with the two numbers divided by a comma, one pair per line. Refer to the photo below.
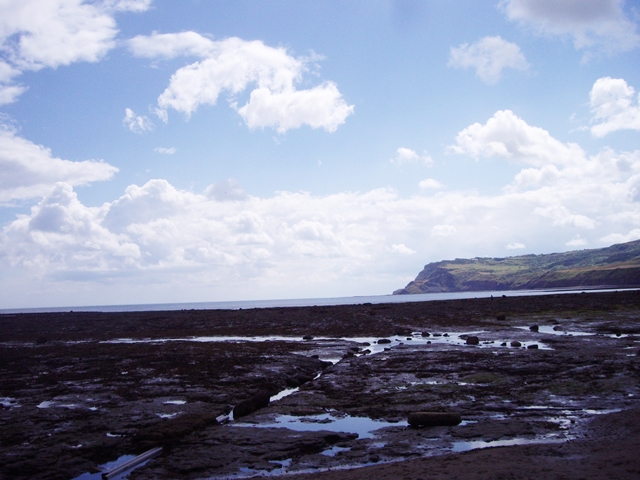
[546,386]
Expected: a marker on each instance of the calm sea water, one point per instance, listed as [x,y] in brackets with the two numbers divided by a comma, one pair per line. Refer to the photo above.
[296,302]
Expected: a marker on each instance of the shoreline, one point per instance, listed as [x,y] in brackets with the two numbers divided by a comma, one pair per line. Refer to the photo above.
[311,302]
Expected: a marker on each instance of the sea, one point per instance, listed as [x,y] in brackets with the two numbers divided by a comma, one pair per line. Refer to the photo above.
[303,302]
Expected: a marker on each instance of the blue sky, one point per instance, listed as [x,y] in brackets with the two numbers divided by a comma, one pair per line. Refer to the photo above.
[155,151]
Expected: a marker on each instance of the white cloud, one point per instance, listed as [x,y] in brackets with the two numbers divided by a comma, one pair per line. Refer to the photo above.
[10,93]
[402,249]
[576,241]
[591,23]
[137,123]
[508,136]
[127,5]
[227,190]
[406,155]
[489,56]
[35,34]
[443,230]
[621,238]
[231,66]
[225,243]
[430,183]
[615,105]
[172,45]
[165,151]
[30,170]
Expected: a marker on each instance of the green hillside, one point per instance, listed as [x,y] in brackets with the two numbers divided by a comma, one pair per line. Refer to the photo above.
[615,266]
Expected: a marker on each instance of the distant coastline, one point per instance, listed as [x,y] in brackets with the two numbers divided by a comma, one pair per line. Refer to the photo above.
[305,302]
[617,266]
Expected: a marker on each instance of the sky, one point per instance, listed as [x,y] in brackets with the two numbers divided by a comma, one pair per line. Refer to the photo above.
[155,151]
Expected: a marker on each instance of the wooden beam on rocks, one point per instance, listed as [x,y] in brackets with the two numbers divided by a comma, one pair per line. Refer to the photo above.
[134,462]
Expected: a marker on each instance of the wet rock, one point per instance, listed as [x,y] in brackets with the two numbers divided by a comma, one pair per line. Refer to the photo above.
[383,340]
[426,334]
[308,337]
[433,419]
[445,335]
[516,343]
[249,406]
[472,340]
[532,347]
[534,328]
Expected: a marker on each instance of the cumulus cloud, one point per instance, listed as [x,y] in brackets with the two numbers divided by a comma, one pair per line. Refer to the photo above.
[165,151]
[233,65]
[227,241]
[614,105]
[489,56]
[35,34]
[508,136]
[576,241]
[30,170]
[402,249]
[137,123]
[430,183]
[443,230]
[591,23]
[406,155]
[226,190]
[621,238]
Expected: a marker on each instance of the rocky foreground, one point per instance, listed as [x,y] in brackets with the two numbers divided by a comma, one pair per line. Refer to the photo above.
[552,382]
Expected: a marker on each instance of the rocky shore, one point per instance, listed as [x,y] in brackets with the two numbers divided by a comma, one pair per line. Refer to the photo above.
[551,382]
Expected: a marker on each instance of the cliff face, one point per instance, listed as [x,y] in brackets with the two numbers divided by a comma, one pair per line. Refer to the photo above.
[615,266]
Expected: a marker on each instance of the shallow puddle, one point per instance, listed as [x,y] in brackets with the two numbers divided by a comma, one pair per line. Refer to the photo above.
[110,466]
[364,427]
[477,444]
[551,330]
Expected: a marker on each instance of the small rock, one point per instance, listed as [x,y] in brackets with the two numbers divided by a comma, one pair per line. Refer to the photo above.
[426,334]
[533,347]
[437,334]
[433,419]
[445,335]
[307,337]
[503,344]
[534,328]
[557,328]
[383,340]
[473,340]
[516,343]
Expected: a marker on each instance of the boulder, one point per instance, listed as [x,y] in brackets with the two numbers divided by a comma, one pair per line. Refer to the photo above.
[256,402]
[473,340]
[516,343]
[534,328]
[434,419]
[383,340]
[533,347]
